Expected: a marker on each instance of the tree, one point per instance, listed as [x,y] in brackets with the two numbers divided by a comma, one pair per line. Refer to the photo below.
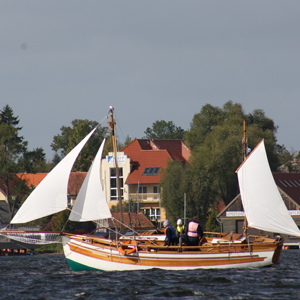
[212,224]
[164,130]
[128,140]
[34,161]
[70,136]
[172,190]
[287,160]
[215,139]
[11,147]
[15,158]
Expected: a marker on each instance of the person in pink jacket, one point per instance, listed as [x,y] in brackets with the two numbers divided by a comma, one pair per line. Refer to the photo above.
[194,232]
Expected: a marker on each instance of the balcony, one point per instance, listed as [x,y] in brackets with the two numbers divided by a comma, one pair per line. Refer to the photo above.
[145,197]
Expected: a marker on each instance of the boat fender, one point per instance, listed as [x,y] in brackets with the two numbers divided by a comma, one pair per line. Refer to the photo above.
[126,252]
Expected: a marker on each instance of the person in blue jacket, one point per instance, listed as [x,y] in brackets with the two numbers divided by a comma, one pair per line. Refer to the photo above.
[171,238]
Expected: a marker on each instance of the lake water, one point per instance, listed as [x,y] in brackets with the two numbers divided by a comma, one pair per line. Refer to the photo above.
[49,277]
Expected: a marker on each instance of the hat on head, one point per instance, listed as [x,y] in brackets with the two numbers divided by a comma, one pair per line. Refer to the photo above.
[166,223]
[179,222]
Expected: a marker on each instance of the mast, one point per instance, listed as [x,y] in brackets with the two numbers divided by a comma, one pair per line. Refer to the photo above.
[112,125]
[245,150]
[244,141]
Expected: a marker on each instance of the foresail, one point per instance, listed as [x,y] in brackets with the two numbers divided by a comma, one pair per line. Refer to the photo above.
[91,203]
[262,202]
[51,195]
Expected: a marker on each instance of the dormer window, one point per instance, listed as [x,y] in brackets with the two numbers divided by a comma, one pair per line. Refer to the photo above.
[151,171]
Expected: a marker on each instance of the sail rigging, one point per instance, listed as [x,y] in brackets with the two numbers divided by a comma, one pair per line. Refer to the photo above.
[50,196]
[262,202]
[91,203]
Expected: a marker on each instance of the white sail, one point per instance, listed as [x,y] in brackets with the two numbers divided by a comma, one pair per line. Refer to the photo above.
[263,205]
[51,195]
[91,203]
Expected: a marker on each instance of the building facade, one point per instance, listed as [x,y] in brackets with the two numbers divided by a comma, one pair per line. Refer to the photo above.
[140,164]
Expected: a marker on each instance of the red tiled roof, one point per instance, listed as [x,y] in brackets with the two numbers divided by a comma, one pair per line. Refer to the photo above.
[75,181]
[32,179]
[139,220]
[289,183]
[12,183]
[153,153]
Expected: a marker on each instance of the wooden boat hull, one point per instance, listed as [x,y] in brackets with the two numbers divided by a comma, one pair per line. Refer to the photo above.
[82,254]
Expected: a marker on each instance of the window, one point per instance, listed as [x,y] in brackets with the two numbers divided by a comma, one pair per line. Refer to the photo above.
[151,171]
[152,213]
[155,189]
[113,183]
[143,190]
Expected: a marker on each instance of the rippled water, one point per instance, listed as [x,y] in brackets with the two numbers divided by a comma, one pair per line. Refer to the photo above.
[49,277]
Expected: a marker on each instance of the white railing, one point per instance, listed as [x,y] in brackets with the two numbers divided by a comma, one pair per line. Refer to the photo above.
[145,197]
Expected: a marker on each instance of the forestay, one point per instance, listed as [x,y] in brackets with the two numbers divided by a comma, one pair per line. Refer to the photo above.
[91,203]
[51,195]
[262,202]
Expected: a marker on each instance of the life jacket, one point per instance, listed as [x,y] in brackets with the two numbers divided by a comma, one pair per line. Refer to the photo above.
[180,229]
[192,229]
[173,236]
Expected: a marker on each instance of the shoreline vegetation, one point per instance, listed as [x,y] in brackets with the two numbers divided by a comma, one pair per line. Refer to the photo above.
[49,249]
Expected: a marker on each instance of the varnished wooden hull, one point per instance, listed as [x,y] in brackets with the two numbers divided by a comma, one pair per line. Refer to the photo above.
[86,254]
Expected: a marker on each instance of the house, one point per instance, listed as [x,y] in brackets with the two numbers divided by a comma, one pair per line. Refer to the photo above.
[232,216]
[140,163]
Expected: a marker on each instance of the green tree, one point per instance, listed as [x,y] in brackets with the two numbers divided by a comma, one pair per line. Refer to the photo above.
[215,139]
[70,136]
[202,124]
[128,140]
[212,224]
[164,130]
[172,190]
[11,147]
[34,161]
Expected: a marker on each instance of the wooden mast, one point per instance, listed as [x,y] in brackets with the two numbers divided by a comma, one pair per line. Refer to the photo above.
[245,150]
[112,125]
[244,141]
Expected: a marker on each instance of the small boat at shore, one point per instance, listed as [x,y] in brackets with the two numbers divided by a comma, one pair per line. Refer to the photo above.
[117,251]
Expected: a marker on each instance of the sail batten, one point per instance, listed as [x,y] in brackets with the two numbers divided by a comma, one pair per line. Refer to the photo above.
[262,202]
[91,203]
[51,195]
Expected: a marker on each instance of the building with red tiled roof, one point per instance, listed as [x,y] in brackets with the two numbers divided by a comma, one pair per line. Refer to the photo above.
[32,179]
[140,163]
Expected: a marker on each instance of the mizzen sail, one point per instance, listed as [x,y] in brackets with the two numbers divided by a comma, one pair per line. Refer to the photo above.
[51,195]
[263,205]
[91,203]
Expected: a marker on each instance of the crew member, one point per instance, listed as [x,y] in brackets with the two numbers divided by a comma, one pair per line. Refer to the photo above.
[194,232]
[180,232]
[170,233]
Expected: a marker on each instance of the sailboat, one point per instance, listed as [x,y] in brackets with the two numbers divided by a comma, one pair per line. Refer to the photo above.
[264,210]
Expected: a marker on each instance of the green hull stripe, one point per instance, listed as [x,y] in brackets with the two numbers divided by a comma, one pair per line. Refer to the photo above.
[75,266]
